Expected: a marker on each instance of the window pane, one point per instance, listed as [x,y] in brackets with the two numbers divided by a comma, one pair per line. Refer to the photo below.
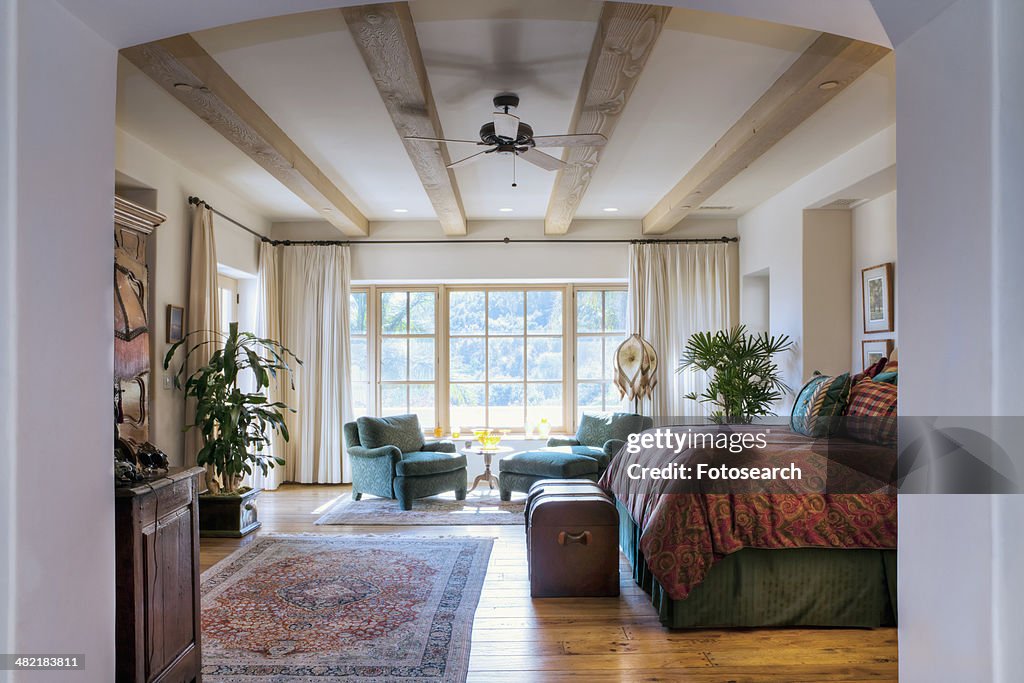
[466,313]
[393,399]
[393,357]
[610,345]
[359,356]
[544,358]
[543,312]
[544,401]
[612,400]
[505,313]
[393,318]
[360,399]
[421,312]
[506,405]
[505,358]
[421,402]
[421,359]
[589,398]
[467,359]
[467,406]
[589,363]
[588,311]
[357,313]
[615,311]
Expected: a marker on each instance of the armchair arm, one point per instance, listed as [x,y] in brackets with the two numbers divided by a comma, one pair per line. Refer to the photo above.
[612,447]
[391,452]
[562,441]
[443,446]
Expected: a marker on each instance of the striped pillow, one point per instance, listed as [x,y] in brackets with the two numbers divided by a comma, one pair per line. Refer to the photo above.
[871,415]
[820,404]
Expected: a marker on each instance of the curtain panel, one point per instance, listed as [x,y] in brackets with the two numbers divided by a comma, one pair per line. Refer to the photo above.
[676,290]
[304,304]
[203,316]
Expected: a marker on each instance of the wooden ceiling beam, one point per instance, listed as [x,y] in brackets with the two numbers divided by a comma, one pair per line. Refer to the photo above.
[183,68]
[831,61]
[386,38]
[626,34]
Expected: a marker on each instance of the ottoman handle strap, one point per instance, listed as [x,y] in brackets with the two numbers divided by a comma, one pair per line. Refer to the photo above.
[565,538]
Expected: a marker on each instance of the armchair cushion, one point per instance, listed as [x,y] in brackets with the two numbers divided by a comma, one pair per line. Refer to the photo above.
[444,446]
[597,428]
[589,451]
[420,464]
[555,441]
[402,431]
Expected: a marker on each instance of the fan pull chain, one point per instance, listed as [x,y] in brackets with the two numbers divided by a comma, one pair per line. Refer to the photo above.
[514,155]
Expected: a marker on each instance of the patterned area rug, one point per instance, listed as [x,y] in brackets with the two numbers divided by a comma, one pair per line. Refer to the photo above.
[480,507]
[291,609]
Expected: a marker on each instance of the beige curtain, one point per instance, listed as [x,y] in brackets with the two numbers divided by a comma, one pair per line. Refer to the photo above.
[305,305]
[203,310]
[268,325]
[674,291]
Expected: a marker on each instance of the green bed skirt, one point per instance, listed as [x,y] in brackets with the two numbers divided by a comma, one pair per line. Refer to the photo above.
[792,587]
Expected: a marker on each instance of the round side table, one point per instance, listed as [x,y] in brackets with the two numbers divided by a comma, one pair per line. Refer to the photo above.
[487,453]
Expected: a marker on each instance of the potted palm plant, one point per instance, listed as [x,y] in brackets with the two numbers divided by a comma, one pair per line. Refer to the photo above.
[745,381]
[236,425]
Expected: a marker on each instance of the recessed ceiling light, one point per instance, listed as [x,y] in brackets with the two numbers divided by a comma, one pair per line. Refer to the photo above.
[828,85]
[327,209]
[400,210]
[610,209]
[185,87]
[505,209]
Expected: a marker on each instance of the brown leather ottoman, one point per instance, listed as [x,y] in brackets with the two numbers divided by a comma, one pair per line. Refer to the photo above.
[572,537]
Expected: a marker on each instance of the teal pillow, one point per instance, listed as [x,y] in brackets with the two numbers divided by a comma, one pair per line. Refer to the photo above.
[886,377]
[399,430]
[820,404]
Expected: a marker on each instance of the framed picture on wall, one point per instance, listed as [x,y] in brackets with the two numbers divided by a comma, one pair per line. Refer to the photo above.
[876,285]
[175,324]
[874,349]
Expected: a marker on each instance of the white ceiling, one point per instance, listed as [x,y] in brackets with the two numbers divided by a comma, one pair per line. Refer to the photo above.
[306,72]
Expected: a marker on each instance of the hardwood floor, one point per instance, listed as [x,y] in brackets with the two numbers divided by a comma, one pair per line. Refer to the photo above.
[596,639]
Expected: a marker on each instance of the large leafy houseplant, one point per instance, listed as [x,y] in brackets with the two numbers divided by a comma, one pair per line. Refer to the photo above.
[236,425]
[744,380]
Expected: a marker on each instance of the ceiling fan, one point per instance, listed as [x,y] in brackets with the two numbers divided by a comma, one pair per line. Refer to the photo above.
[506,135]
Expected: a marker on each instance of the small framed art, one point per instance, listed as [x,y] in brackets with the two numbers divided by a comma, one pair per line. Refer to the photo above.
[876,284]
[874,349]
[175,324]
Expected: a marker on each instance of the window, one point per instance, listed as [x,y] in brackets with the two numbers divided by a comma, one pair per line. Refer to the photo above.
[600,328]
[227,292]
[358,327]
[506,358]
[408,363]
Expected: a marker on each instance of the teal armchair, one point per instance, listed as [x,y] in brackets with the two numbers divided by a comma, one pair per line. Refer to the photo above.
[390,459]
[601,435]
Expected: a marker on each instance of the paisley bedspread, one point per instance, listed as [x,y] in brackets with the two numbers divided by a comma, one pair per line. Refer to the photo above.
[685,533]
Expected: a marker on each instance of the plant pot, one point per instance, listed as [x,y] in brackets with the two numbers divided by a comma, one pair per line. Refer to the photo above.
[228,516]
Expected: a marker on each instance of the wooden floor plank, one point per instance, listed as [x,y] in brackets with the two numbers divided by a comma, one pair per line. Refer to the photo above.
[602,640]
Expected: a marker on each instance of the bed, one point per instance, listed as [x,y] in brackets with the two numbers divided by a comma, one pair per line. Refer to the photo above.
[782,556]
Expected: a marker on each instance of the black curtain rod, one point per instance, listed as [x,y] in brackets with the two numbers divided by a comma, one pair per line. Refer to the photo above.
[504,240]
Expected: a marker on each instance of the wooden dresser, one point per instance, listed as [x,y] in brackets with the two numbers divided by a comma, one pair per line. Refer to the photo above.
[158,610]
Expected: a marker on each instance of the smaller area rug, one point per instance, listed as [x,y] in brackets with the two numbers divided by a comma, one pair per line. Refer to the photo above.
[304,609]
[480,507]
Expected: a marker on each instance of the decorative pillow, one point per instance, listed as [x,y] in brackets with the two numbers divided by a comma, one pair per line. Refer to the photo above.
[399,430]
[893,364]
[886,377]
[870,371]
[820,404]
[871,415]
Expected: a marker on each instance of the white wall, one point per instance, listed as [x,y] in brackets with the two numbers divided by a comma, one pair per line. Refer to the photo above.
[169,261]
[874,242]
[772,237]
[62,528]
[826,273]
[481,262]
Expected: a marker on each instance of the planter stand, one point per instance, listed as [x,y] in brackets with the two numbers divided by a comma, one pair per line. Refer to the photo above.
[228,516]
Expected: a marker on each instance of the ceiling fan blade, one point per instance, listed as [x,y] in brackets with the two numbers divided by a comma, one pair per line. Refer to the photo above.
[583,140]
[419,139]
[471,159]
[506,125]
[545,161]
